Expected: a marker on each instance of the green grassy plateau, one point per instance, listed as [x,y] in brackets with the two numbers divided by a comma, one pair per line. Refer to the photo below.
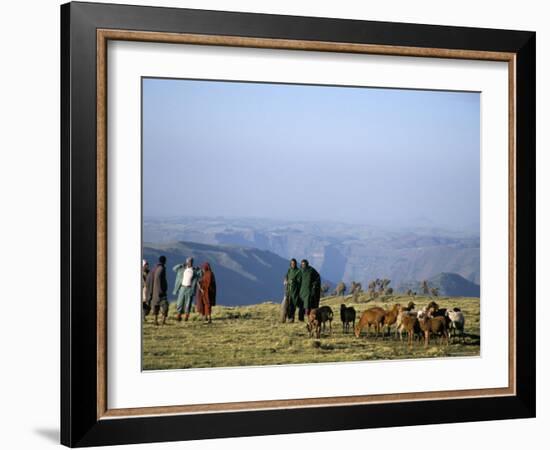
[254,335]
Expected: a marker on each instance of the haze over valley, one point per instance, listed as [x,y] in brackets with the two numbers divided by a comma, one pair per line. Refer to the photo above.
[260,249]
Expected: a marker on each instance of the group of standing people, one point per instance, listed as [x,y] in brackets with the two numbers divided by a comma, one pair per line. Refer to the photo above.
[302,289]
[190,281]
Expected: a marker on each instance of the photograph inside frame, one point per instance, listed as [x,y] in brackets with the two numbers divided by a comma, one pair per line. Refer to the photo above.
[296,223]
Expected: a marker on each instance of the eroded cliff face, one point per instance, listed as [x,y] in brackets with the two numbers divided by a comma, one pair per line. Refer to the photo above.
[339,251]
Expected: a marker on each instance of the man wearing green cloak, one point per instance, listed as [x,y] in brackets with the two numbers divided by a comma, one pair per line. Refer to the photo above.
[310,289]
[292,283]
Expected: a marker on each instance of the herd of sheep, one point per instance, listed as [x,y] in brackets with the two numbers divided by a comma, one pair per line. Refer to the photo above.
[429,321]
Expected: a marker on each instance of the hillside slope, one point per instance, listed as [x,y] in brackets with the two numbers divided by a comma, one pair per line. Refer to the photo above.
[451,284]
[244,275]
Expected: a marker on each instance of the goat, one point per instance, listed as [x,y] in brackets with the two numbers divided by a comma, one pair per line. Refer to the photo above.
[317,317]
[372,316]
[348,317]
[436,325]
[456,322]
[440,312]
[391,317]
[326,316]
[406,310]
[432,305]
[399,327]
[313,324]
[409,323]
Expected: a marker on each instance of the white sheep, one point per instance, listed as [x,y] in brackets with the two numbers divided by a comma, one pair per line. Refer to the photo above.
[457,320]
[399,327]
[423,313]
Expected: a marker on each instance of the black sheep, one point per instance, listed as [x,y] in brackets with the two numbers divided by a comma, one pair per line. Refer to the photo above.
[348,317]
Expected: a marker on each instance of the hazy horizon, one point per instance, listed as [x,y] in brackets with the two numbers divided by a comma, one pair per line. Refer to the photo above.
[363,156]
[474,227]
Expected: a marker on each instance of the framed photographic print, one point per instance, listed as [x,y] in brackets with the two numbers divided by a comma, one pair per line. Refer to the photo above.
[278,224]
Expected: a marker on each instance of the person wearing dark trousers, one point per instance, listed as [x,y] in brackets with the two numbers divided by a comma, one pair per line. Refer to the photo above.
[157,288]
[292,283]
[310,289]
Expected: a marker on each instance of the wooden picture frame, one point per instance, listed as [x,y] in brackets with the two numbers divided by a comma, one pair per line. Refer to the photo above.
[86,418]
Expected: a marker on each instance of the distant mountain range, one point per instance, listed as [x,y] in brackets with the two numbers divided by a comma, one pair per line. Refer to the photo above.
[244,276]
[448,284]
[347,252]
[247,275]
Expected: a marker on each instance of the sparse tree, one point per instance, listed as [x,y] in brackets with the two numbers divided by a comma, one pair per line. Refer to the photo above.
[341,288]
[371,288]
[384,286]
[381,284]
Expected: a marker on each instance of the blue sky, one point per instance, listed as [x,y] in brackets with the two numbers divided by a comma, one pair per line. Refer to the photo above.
[301,152]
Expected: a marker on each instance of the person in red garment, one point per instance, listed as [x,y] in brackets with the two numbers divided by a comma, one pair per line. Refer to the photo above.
[207,293]
[146,305]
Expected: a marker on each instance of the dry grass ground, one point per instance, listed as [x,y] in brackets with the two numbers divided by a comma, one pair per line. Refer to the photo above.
[253,335]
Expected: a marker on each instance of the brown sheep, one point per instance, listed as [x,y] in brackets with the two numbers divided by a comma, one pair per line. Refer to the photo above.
[313,324]
[399,328]
[318,317]
[391,317]
[409,323]
[432,305]
[372,316]
[436,325]
[433,310]
[404,310]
